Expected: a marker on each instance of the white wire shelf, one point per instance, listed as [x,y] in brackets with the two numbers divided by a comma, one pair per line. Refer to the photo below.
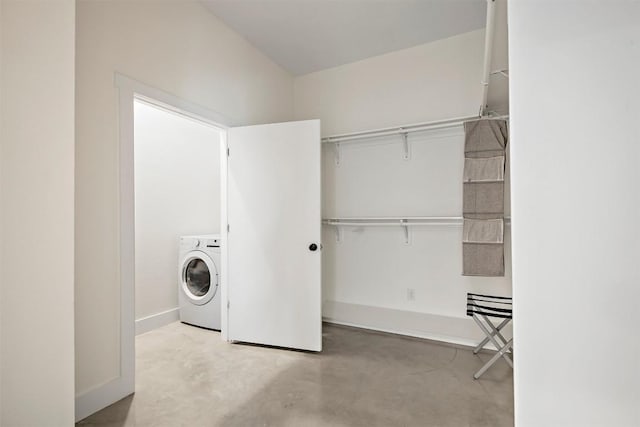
[397,130]
[402,131]
[404,222]
[390,221]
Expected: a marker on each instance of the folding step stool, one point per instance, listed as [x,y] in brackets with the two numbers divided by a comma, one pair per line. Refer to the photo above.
[481,307]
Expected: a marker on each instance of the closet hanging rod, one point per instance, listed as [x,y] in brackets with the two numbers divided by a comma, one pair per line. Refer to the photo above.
[391,221]
[403,222]
[399,130]
[393,218]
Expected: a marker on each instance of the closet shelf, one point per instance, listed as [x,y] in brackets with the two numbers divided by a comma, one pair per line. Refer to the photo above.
[404,222]
[402,131]
[390,221]
[397,130]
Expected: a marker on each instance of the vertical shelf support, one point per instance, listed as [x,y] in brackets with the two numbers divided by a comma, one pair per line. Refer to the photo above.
[405,143]
[405,228]
[488,49]
[336,153]
[338,233]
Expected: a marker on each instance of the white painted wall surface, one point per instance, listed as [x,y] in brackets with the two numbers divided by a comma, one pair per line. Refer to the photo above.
[367,275]
[575,109]
[1,201]
[432,81]
[178,47]
[177,186]
[37,192]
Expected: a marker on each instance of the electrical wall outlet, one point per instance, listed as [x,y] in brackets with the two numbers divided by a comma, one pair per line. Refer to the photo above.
[411,294]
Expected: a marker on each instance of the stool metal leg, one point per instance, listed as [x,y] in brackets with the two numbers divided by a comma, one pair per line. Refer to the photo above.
[496,356]
[499,347]
[496,332]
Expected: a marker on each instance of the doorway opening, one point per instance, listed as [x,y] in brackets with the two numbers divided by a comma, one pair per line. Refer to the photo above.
[177,176]
[130,94]
[276,167]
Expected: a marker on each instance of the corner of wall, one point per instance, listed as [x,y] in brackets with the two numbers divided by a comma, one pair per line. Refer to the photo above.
[1,203]
[36,195]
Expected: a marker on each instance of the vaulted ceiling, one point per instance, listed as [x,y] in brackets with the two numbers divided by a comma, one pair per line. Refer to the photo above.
[304,36]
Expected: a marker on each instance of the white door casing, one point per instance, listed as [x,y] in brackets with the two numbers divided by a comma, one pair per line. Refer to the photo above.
[130,89]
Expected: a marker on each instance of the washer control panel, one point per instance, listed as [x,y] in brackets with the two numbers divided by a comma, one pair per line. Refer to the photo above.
[199,242]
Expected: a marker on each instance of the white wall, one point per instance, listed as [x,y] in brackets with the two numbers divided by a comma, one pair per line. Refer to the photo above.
[1,201]
[177,186]
[367,275]
[437,80]
[178,47]
[36,187]
[575,109]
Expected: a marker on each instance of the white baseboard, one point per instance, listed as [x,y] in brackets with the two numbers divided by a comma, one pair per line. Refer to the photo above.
[100,397]
[106,394]
[157,320]
[453,330]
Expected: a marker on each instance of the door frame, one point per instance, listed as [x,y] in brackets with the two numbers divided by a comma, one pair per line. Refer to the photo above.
[129,90]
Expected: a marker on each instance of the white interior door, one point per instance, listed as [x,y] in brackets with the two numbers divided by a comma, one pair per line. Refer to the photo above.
[273,243]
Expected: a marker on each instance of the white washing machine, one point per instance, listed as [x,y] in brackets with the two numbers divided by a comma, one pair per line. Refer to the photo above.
[199,281]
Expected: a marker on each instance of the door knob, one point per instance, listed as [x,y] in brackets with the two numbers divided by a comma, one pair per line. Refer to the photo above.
[313,247]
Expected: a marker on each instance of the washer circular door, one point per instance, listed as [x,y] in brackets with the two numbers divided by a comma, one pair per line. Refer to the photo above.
[198,277]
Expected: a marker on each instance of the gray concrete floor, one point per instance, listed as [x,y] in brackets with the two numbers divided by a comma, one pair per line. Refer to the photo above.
[187,376]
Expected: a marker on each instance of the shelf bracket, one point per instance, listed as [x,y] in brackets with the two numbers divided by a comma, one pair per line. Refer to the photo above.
[405,143]
[405,228]
[338,233]
[336,153]
[503,73]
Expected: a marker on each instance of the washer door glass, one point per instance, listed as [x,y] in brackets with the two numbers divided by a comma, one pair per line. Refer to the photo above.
[197,277]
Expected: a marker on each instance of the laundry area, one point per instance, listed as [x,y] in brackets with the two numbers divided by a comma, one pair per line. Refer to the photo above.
[177,219]
[319,213]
